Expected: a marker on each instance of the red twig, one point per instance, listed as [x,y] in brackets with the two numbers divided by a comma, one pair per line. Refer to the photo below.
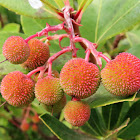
[52,58]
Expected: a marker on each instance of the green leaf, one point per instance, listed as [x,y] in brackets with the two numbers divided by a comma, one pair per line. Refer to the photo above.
[84,4]
[32,26]
[111,114]
[50,4]
[60,61]
[60,130]
[95,125]
[112,134]
[133,128]
[7,67]
[23,7]
[59,3]
[135,50]
[105,19]
[102,98]
[11,27]
[133,37]
[124,109]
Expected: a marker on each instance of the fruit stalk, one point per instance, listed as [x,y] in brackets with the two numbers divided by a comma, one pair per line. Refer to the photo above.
[52,58]
[87,55]
[30,37]
[91,47]
[45,31]
[35,70]
[68,20]
[104,57]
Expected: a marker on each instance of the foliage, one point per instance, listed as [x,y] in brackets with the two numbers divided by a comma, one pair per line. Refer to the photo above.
[114,26]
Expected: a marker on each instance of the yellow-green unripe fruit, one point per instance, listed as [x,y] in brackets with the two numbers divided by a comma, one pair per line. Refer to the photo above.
[16,50]
[39,54]
[121,76]
[77,113]
[17,89]
[57,107]
[79,78]
[48,90]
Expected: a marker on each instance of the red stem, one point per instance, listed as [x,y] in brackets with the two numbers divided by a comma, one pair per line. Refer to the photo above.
[35,70]
[46,30]
[52,58]
[51,28]
[66,2]
[104,57]
[78,13]
[91,47]
[87,55]
[30,37]
[71,30]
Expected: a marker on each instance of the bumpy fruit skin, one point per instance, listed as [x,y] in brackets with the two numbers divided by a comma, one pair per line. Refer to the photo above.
[79,78]
[17,89]
[121,76]
[39,54]
[77,113]
[57,107]
[48,90]
[16,50]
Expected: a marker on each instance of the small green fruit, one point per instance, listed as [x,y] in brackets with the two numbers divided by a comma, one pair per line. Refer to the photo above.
[48,90]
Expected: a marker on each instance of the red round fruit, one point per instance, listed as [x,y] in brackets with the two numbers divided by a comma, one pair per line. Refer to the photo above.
[39,54]
[77,113]
[24,126]
[34,127]
[79,78]
[121,76]
[17,89]
[16,50]
[35,118]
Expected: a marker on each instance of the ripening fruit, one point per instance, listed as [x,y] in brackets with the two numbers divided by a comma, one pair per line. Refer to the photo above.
[48,90]
[34,127]
[79,78]
[77,113]
[17,89]
[39,54]
[57,107]
[24,126]
[16,50]
[54,73]
[35,118]
[121,76]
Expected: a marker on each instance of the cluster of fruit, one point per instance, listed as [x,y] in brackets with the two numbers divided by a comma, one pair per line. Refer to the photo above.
[78,78]
[24,126]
